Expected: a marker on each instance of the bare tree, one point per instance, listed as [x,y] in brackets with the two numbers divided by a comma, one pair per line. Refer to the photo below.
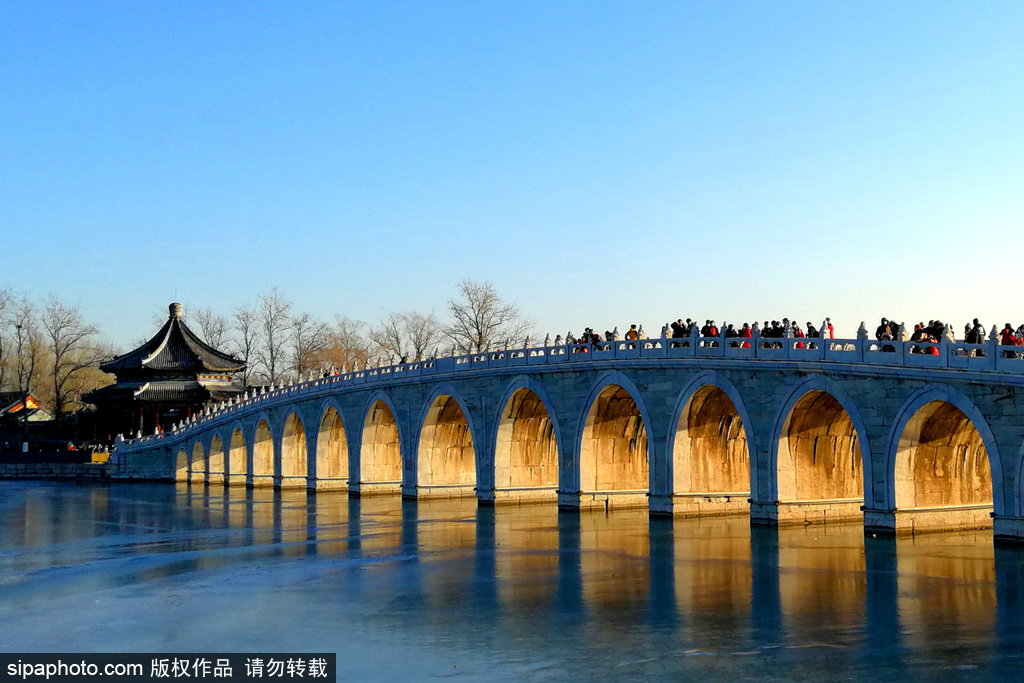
[309,337]
[424,333]
[6,301]
[246,338]
[481,318]
[156,321]
[388,337]
[345,346]
[29,348]
[213,327]
[274,319]
[406,335]
[70,343]
[89,377]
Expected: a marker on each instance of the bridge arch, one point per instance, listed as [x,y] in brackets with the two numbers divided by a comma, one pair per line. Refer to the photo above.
[182,465]
[380,448]
[445,453]
[215,460]
[820,453]
[263,451]
[710,445]
[237,455]
[527,443]
[615,444]
[294,464]
[197,464]
[941,457]
[331,448]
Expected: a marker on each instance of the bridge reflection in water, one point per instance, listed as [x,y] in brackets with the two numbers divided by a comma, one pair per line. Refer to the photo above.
[540,583]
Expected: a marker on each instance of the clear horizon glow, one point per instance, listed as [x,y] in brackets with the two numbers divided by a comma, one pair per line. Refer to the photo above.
[602,164]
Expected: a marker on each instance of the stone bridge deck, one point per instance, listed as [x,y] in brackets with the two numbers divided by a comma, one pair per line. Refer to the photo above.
[905,438]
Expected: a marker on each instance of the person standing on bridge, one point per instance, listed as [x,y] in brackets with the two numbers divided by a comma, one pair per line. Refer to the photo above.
[885,333]
[679,331]
[812,333]
[1008,338]
[979,332]
[976,335]
[731,333]
[632,335]
[919,335]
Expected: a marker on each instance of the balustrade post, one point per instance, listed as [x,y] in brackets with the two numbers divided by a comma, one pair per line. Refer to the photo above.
[901,339]
[993,348]
[862,341]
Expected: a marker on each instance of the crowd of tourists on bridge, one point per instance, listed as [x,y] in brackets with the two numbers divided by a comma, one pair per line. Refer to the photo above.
[709,334]
[592,338]
[684,332]
[740,337]
[1008,336]
[936,331]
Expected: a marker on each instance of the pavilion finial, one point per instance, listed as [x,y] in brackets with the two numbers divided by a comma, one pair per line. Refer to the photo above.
[175,310]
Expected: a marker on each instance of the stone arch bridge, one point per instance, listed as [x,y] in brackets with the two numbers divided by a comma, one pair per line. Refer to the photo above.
[905,436]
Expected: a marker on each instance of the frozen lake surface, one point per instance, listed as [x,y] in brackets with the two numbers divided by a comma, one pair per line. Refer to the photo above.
[441,589]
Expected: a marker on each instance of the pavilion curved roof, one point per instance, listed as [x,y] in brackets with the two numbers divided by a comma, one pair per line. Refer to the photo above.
[175,348]
[188,391]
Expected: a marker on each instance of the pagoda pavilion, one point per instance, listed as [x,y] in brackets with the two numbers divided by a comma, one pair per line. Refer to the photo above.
[169,378]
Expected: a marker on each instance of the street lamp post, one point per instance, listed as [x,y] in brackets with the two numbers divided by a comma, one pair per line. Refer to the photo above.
[23,382]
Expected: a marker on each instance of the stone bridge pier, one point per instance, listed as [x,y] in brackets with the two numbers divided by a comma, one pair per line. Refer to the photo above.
[901,443]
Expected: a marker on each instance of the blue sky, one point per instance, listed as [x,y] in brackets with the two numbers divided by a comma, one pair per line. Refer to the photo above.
[601,163]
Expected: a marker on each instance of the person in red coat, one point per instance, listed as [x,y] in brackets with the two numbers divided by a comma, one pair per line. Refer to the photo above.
[1008,338]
